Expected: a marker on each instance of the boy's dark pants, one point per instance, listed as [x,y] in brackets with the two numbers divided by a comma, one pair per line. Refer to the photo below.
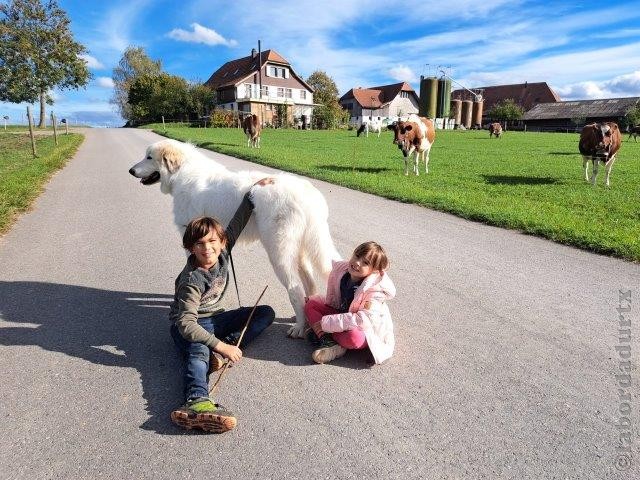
[226,326]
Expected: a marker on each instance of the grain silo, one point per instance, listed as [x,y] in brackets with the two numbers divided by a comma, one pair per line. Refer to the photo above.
[428,96]
[467,110]
[444,98]
[456,108]
[477,113]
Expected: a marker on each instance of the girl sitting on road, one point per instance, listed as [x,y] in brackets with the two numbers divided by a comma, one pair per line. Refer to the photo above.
[354,313]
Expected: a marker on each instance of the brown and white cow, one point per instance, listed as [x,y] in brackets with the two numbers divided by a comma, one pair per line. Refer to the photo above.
[634,132]
[599,142]
[495,129]
[415,135]
[251,127]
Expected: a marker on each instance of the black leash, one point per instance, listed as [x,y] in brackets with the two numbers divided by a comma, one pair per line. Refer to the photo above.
[235,280]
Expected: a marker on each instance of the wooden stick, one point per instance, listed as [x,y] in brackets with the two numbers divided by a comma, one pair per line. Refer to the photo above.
[226,363]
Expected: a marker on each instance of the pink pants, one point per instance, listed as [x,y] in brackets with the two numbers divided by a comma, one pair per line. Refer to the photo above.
[315,309]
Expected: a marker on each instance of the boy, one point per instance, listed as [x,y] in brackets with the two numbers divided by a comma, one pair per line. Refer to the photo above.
[200,326]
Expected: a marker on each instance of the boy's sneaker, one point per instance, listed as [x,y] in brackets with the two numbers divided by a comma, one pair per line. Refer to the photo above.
[215,362]
[203,414]
[329,350]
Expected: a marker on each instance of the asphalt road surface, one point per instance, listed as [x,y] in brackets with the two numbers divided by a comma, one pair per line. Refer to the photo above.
[505,365]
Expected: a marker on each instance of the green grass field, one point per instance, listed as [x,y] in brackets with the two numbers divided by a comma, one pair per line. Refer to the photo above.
[22,176]
[531,182]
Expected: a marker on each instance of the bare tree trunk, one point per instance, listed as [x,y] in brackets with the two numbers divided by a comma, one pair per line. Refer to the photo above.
[42,102]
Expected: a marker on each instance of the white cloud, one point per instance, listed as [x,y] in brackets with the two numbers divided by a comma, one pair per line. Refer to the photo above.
[402,73]
[92,62]
[105,82]
[627,85]
[201,34]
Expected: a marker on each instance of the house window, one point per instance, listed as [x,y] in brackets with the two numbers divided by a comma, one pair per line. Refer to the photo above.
[280,92]
[247,89]
[278,72]
[288,93]
[404,94]
[265,91]
[349,106]
[303,94]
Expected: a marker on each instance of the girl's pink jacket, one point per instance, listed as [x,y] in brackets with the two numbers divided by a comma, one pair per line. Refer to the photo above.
[368,311]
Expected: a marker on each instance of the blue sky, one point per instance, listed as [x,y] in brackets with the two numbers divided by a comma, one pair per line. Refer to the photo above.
[581,49]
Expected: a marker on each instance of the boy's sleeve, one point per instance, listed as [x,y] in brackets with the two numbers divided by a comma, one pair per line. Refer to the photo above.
[186,318]
[239,220]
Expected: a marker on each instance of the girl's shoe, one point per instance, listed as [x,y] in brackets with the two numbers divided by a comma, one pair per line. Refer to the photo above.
[329,350]
[202,414]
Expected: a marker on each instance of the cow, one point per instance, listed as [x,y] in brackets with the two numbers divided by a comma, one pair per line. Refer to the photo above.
[367,126]
[599,142]
[251,127]
[495,129]
[634,132]
[415,135]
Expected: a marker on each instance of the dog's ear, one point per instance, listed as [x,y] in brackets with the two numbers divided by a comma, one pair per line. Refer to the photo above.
[172,157]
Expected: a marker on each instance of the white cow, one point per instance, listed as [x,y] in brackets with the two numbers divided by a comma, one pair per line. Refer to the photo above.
[374,126]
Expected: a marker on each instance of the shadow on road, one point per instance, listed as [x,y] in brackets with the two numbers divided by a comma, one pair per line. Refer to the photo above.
[124,329]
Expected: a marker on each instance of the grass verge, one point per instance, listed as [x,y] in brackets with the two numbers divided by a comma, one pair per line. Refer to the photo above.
[22,177]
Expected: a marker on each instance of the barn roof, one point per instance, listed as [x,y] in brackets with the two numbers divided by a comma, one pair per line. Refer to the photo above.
[235,71]
[524,94]
[605,108]
[377,96]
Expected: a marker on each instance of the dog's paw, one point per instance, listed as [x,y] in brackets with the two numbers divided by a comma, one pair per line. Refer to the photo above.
[296,331]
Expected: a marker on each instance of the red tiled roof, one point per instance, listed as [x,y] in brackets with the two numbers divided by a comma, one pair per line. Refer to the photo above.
[375,97]
[524,94]
[235,71]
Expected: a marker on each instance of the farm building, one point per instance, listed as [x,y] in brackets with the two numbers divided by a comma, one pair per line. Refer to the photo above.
[570,116]
[527,95]
[384,102]
[264,84]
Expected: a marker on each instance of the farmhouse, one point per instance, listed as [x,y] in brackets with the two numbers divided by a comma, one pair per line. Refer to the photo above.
[563,116]
[264,84]
[527,95]
[384,102]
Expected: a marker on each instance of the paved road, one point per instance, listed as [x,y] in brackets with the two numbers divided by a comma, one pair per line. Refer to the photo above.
[505,363]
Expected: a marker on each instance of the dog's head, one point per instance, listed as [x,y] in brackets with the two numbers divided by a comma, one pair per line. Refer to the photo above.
[162,159]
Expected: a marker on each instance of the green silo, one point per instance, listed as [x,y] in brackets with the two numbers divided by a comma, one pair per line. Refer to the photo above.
[428,97]
[444,98]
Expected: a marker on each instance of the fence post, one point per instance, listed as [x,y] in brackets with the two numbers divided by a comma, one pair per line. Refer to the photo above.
[55,131]
[163,127]
[33,140]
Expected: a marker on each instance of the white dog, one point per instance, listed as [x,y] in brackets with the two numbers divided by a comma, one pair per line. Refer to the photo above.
[290,216]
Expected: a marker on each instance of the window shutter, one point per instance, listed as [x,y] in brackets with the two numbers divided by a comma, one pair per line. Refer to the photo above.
[286,73]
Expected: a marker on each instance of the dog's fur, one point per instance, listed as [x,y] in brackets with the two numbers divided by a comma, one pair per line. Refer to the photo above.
[290,215]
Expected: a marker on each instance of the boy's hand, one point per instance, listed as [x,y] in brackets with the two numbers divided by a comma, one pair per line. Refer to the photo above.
[265,181]
[231,352]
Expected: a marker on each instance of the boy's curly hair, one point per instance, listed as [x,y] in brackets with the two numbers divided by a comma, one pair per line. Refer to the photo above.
[199,228]
[374,254]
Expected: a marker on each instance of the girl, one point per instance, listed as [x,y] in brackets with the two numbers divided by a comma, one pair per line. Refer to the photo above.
[354,314]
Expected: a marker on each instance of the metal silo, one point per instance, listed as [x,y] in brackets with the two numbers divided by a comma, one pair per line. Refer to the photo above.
[428,96]
[477,113]
[444,98]
[456,107]
[467,109]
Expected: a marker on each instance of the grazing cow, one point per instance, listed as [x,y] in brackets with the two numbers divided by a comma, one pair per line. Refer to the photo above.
[367,126]
[416,134]
[251,127]
[634,132]
[599,142]
[495,129]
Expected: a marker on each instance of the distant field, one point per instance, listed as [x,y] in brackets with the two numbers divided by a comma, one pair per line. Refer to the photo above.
[532,182]
[22,176]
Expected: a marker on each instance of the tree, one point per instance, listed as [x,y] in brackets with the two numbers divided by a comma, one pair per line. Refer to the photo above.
[38,53]
[632,118]
[133,64]
[153,96]
[201,99]
[507,110]
[330,114]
